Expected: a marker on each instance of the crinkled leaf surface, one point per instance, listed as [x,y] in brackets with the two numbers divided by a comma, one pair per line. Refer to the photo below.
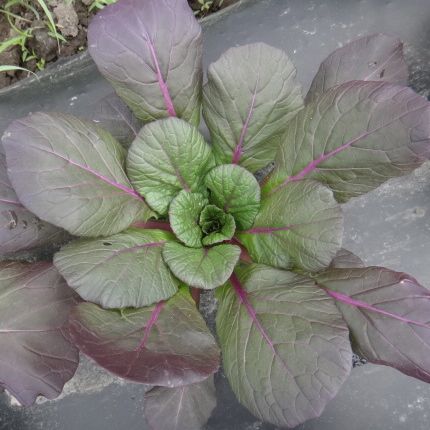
[182,408]
[205,268]
[184,213]
[70,173]
[216,224]
[151,52]
[355,137]
[19,228]
[285,347]
[250,95]
[236,191]
[166,157]
[123,270]
[36,356]
[377,57]
[167,344]
[298,225]
[113,115]
[388,314]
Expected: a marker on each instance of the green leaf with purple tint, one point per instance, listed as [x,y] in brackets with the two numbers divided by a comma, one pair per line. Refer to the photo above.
[377,57]
[167,344]
[250,95]
[285,346]
[151,52]
[166,157]
[70,173]
[355,137]
[205,268]
[182,408]
[388,314]
[299,225]
[36,355]
[119,271]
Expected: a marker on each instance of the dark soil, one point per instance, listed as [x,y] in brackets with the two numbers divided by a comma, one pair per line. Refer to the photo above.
[40,48]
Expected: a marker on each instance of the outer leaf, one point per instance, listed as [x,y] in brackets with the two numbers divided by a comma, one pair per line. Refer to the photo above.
[235,190]
[217,225]
[355,137]
[299,225]
[377,57]
[167,344]
[123,270]
[187,407]
[205,268]
[250,95]
[285,347]
[345,259]
[151,52]
[168,156]
[70,173]
[388,314]
[113,115]
[19,228]
[184,213]
[36,356]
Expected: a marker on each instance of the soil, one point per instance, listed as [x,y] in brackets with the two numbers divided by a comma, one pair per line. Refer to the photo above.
[40,48]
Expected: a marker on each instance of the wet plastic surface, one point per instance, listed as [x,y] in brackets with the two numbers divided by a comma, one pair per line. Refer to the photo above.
[389,227]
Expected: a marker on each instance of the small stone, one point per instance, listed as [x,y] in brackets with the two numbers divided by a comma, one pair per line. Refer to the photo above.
[67,19]
[44,45]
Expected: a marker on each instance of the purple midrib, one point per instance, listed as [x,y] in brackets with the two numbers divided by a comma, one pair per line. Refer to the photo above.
[161,82]
[10,202]
[360,304]
[238,150]
[152,320]
[243,297]
[114,184]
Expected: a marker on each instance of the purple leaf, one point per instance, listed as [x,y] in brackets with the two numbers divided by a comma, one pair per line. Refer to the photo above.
[19,229]
[167,344]
[70,173]
[355,137]
[388,314]
[151,53]
[285,346]
[377,57]
[345,259]
[182,408]
[113,115]
[36,356]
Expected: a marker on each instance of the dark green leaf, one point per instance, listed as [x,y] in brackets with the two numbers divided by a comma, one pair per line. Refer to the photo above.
[119,271]
[298,225]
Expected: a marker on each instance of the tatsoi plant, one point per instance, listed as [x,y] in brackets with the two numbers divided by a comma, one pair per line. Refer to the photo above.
[165,214]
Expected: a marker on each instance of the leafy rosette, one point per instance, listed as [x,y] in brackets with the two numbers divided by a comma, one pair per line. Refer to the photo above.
[158,213]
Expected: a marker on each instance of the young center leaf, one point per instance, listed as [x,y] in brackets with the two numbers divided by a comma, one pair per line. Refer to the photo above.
[377,57]
[388,314]
[36,355]
[298,225]
[285,346]
[114,116]
[355,137]
[119,271]
[70,173]
[250,95]
[151,52]
[167,344]
[19,228]
[205,268]
[166,157]
[236,191]
[216,224]
[184,213]
[181,408]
